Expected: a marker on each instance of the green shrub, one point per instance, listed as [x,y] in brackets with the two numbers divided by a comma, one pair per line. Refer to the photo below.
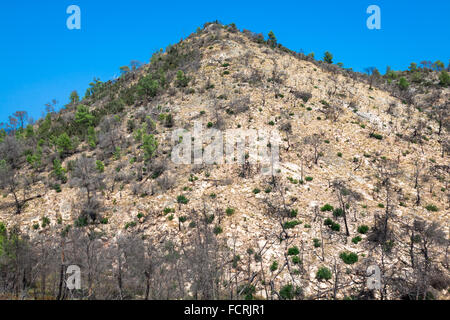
[229,211]
[104,221]
[309,179]
[376,136]
[293,251]
[210,219]
[256,191]
[274,266]
[336,227]
[182,199]
[317,243]
[168,210]
[338,212]
[100,166]
[323,274]
[57,187]
[130,225]
[328,57]
[296,260]
[182,80]
[356,239]
[327,207]
[45,222]
[64,144]
[444,79]
[432,208]
[291,224]
[247,291]
[83,117]
[149,144]
[81,222]
[349,257]
[218,230]
[149,85]
[403,83]
[363,229]
[236,259]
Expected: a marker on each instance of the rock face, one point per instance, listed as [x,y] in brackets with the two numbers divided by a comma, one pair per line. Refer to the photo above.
[252,209]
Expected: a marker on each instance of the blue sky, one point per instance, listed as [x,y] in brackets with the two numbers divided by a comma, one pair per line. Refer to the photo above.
[43,60]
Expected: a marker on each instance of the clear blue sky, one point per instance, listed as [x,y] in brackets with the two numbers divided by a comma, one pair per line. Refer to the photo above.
[43,60]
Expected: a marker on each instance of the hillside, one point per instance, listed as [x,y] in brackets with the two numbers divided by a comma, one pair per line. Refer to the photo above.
[362,180]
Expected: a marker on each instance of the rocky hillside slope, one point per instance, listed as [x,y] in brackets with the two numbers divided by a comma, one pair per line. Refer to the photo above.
[363,176]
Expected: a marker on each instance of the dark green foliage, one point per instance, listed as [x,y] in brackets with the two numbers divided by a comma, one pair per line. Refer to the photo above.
[100,166]
[64,144]
[218,230]
[317,243]
[403,83]
[182,200]
[287,292]
[349,257]
[210,218]
[327,207]
[328,57]
[332,225]
[182,80]
[130,225]
[336,227]
[293,251]
[338,212]
[81,222]
[274,266]
[236,259]
[444,79]
[57,187]
[182,219]
[58,171]
[150,85]
[83,117]
[230,211]
[323,274]
[115,106]
[432,208]
[248,291]
[45,222]
[149,145]
[363,229]
[272,41]
[291,224]
[356,239]
[376,136]
[296,260]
